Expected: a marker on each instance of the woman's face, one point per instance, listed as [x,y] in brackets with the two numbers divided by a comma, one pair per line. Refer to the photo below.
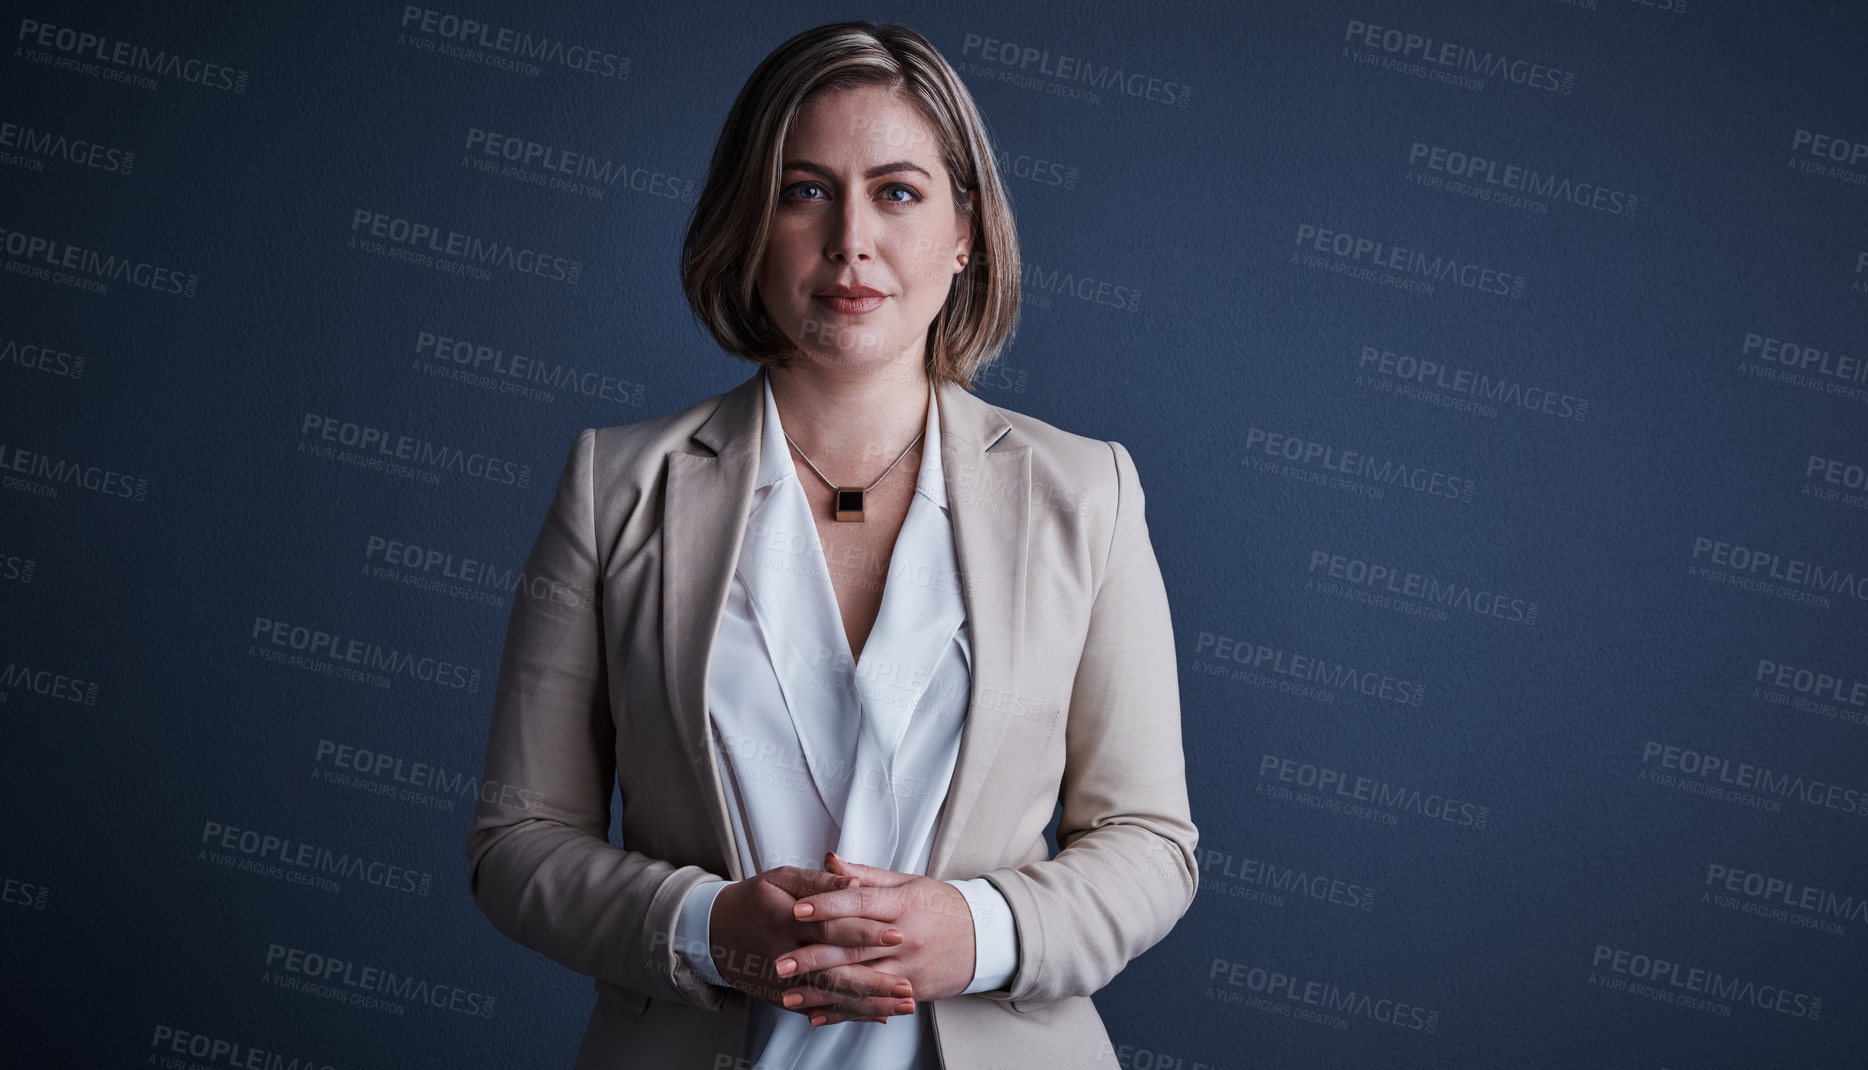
[866,237]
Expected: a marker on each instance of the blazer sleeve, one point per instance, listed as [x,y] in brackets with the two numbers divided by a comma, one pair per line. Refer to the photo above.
[542,867]
[1126,868]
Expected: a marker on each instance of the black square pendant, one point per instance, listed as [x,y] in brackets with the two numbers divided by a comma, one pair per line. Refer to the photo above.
[849,504]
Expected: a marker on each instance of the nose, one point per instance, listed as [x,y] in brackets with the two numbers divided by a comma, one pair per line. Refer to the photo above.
[849,239]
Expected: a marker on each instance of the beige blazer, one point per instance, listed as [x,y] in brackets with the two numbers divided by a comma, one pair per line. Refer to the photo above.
[1074,700]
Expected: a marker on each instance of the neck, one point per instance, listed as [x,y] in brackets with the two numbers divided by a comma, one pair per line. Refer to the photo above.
[852,422]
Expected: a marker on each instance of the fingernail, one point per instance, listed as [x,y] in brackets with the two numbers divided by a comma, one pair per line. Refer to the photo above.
[792,999]
[904,1007]
[803,910]
[819,1019]
[894,936]
[902,989]
[785,966]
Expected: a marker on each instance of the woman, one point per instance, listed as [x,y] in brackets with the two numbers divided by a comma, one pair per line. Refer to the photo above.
[855,634]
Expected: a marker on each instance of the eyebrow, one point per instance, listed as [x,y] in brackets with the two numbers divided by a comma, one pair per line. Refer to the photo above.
[877,171]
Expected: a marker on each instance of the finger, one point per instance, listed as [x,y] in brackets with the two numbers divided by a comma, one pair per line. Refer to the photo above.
[812,958]
[887,878]
[840,984]
[848,1007]
[864,901]
[849,932]
[798,883]
[870,1009]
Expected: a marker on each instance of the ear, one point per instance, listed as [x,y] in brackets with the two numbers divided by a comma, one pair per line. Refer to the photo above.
[965,238]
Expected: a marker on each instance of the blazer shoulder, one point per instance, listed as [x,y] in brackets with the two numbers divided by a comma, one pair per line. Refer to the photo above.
[623,446]
[623,465]
[1080,474]
[1056,447]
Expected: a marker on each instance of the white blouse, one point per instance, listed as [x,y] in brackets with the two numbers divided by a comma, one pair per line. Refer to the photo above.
[819,751]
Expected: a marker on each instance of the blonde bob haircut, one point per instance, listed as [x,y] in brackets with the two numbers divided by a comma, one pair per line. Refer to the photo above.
[728,231]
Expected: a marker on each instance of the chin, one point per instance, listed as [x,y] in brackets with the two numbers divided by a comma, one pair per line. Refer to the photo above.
[851,360]
[845,345]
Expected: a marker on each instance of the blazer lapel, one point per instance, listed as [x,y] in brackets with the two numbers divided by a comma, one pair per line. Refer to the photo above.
[989,505]
[703,526]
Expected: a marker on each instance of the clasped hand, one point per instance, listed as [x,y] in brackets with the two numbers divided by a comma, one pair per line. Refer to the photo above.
[852,943]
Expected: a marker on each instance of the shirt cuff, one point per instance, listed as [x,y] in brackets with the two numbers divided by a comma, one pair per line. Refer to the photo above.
[693,930]
[995,937]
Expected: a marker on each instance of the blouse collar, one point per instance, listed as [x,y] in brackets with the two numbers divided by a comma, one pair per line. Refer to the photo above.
[775,458]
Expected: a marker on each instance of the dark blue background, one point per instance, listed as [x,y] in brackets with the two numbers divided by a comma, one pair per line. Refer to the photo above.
[1496,929]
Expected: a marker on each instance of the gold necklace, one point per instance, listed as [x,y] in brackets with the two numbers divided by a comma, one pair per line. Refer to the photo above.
[847,502]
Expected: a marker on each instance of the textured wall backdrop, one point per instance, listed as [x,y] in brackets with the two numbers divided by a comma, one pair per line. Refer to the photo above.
[1495,372]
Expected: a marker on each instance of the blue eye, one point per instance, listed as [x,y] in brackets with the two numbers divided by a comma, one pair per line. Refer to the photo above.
[795,191]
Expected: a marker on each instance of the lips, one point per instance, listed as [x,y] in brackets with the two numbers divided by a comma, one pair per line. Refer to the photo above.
[850,299]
